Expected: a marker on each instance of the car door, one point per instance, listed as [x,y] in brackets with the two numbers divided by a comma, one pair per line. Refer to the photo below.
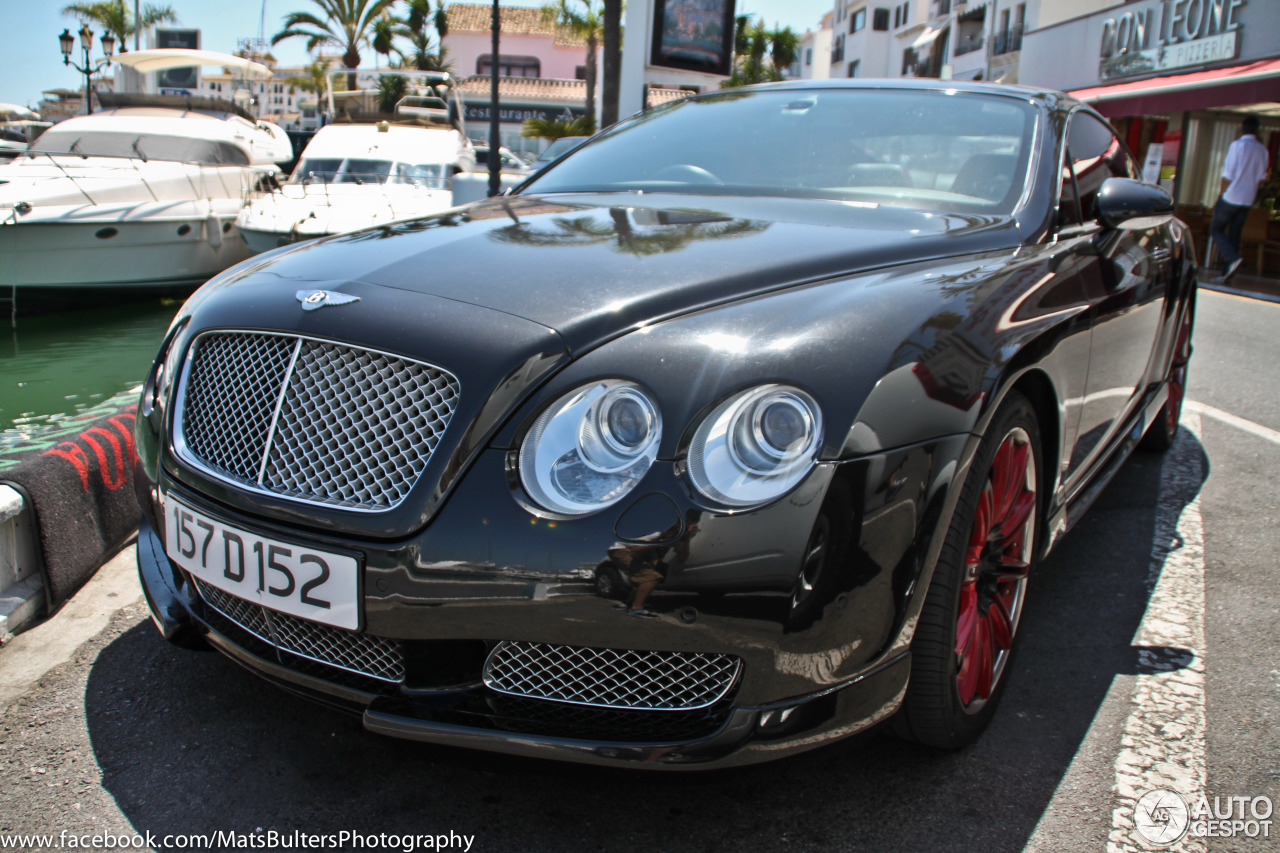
[1124,272]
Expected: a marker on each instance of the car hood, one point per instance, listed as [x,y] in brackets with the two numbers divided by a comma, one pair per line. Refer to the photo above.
[592,267]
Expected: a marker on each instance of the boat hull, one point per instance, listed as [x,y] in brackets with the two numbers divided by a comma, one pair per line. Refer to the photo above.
[296,213]
[149,252]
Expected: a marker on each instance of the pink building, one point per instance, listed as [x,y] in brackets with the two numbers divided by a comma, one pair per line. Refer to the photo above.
[529,47]
[542,70]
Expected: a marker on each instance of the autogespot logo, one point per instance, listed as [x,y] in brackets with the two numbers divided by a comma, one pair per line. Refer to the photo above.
[1165,817]
[1162,817]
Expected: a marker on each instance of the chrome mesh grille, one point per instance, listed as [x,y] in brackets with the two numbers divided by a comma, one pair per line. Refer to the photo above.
[314,421]
[377,657]
[611,678]
[231,396]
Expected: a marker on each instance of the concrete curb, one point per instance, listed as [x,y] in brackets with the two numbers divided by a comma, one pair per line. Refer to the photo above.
[21,588]
[28,658]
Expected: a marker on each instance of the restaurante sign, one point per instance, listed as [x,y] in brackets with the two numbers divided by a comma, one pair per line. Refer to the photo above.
[1166,34]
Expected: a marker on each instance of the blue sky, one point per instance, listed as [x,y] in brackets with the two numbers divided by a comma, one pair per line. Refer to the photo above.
[33,63]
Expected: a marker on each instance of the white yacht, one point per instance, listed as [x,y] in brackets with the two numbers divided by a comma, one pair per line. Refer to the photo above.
[372,165]
[142,193]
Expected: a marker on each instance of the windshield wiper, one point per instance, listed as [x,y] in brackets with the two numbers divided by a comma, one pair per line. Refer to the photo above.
[138,150]
[75,149]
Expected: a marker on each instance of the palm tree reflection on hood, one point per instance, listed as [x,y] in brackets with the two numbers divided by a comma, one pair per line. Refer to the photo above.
[633,232]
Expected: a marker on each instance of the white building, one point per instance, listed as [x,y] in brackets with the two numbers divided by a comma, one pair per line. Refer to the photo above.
[814,60]
[872,39]
[949,39]
[275,99]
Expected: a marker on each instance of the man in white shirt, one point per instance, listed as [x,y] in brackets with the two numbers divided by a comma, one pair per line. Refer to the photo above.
[1247,167]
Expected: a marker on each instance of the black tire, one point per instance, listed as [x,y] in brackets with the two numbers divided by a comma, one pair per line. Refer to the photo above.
[1162,431]
[934,711]
[609,583]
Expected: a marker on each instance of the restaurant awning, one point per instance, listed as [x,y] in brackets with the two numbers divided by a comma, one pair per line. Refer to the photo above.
[1256,82]
[925,39]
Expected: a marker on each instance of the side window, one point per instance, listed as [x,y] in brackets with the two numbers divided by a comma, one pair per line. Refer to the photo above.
[1096,154]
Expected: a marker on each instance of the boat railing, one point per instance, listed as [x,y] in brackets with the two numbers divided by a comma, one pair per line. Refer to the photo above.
[91,176]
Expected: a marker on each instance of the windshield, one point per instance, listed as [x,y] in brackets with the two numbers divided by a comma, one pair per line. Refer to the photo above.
[926,149]
[357,170]
[363,171]
[100,143]
[432,175]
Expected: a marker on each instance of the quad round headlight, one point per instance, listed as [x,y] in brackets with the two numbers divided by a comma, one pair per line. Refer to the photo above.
[755,446]
[591,447]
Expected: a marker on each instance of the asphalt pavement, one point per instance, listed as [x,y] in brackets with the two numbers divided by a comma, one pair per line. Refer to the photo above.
[1149,658]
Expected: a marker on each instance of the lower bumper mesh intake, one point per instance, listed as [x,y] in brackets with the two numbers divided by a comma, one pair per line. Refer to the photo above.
[352,651]
[611,678]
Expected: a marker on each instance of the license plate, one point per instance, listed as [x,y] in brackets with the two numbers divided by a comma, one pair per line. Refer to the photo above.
[318,585]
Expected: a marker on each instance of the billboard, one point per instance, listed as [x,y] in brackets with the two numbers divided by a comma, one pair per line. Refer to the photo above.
[694,35]
[178,78]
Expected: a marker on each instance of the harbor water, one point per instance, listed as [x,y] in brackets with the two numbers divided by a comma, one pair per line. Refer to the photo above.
[55,367]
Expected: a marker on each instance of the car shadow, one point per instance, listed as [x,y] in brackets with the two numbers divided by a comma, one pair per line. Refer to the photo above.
[190,742]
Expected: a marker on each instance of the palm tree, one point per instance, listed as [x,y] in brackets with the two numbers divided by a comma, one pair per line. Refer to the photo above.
[115,18]
[420,11]
[784,48]
[586,21]
[553,129]
[422,56]
[752,43]
[385,30]
[348,24]
[391,88]
[315,78]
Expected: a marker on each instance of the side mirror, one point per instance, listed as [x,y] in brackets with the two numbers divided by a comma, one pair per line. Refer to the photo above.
[1128,204]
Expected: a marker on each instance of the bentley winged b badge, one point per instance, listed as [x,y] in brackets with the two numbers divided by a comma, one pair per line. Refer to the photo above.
[313,299]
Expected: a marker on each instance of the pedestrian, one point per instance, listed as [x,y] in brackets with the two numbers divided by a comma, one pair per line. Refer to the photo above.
[1247,166]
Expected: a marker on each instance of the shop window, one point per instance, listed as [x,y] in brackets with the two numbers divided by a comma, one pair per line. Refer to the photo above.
[510,66]
[880,20]
[1096,154]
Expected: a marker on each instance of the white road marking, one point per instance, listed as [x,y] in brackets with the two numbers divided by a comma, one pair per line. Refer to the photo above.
[1233,420]
[1163,744]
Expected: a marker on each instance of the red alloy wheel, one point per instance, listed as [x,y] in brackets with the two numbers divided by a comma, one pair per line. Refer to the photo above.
[1178,374]
[996,563]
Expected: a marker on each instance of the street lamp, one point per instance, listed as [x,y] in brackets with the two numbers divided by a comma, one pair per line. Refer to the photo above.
[67,42]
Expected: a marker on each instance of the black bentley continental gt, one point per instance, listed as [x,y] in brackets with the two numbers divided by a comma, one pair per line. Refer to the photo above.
[741,429]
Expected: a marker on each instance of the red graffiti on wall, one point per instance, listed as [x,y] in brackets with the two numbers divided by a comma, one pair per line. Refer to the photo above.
[112,448]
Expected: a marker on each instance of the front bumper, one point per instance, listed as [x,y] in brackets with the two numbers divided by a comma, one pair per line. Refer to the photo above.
[456,708]
[486,572]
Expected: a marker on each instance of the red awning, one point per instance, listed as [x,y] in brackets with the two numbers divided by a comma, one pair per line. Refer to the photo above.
[1256,82]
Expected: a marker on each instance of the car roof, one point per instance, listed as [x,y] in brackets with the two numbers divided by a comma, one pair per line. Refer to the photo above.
[1048,97]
